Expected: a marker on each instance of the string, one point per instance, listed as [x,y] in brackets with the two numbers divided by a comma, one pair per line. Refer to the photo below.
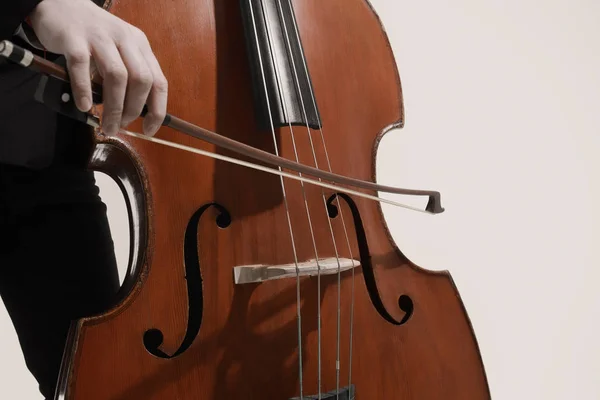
[297,80]
[298,310]
[319,329]
[340,209]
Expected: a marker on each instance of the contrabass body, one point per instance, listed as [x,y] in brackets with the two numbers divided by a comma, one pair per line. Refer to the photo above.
[201,317]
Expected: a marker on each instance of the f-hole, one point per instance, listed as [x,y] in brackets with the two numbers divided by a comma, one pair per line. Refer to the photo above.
[404,301]
[154,337]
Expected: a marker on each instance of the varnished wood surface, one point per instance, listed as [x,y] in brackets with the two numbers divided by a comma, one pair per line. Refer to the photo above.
[247,345]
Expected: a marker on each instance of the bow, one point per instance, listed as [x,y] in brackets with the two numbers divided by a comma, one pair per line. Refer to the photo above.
[28,59]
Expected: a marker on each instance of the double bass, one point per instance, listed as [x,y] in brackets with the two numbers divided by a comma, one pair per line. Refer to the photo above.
[261,266]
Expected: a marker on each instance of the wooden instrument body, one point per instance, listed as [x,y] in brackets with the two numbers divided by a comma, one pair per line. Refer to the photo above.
[247,345]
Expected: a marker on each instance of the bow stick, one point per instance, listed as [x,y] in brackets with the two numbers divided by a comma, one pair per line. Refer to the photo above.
[28,59]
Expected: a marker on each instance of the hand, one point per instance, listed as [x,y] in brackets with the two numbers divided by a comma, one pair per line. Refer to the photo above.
[86,35]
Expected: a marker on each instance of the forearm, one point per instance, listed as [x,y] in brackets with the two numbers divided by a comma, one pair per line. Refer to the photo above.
[12,14]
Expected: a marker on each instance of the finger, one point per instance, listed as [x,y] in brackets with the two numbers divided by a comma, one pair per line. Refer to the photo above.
[157,100]
[78,65]
[111,67]
[139,81]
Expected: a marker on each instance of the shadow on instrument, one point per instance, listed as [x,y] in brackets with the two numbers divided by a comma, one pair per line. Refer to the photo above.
[236,119]
[239,372]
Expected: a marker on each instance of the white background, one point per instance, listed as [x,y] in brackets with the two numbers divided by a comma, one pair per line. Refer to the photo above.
[502,101]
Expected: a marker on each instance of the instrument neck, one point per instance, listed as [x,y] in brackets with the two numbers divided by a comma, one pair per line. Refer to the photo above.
[281,82]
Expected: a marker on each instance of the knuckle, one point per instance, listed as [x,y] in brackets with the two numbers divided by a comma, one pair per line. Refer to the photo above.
[161,85]
[154,119]
[99,31]
[80,86]
[120,30]
[117,73]
[78,55]
[142,77]
[114,113]
[114,110]
[156,116]
[140,35]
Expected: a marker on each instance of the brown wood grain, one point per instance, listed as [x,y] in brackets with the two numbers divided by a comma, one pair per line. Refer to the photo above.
[247,347]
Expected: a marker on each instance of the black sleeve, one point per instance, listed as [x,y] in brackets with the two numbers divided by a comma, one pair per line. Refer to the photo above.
[12,15]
